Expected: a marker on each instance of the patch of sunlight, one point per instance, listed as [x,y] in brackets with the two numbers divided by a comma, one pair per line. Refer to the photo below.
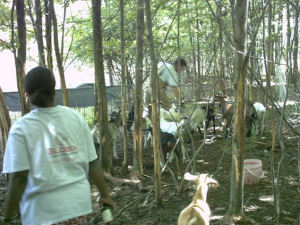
[252,208]
[210,140]
[291,180]
[290,138]
[200,161]
[268,218]
[220,209]
[287,103]
[266,198]
[216,217]
[116,189]
[94,193]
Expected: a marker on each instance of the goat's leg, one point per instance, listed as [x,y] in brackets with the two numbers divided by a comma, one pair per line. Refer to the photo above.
[207,124]
[262,125]
[214,124]
[115,150]
[225,126]
[199,129]
[178,164]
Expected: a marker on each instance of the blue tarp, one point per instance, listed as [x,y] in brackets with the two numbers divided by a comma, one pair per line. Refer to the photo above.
[82,96]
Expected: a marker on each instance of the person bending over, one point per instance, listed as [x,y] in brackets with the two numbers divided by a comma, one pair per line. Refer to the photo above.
[168,83]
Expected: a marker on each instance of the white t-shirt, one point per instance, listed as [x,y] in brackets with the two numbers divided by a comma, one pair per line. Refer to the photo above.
[167,74]
[55,145]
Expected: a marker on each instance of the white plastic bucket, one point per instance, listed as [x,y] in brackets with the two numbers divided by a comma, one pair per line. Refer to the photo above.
[252,171]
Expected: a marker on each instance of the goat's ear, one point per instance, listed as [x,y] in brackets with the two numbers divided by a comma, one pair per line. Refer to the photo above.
[190,177]
[212,181]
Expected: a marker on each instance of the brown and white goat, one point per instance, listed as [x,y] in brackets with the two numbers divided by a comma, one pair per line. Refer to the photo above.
[198,211]
[227,111]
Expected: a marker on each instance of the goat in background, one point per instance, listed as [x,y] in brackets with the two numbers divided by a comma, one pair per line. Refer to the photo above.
[227,112]
[198,211]
[114,124]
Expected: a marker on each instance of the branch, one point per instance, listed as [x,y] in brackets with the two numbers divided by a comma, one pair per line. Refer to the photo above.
[220,22]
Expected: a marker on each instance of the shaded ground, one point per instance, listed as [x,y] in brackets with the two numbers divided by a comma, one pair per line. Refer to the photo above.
[138,208]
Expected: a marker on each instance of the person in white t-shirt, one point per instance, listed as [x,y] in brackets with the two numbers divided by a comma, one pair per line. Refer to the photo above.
[168,83]
[50,158]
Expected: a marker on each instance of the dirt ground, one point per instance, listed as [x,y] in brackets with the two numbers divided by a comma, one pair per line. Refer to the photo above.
[135,207]
[139,208]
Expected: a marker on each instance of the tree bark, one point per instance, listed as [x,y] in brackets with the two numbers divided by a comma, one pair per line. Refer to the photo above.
[296,46]
[106,145]
[137,135]
[123,89]
[59,56]
[20,56]
[110,69]
[48,34]
[270,64]
[155,107]
[240,31]
[38,29]
[221,59]
[5,122]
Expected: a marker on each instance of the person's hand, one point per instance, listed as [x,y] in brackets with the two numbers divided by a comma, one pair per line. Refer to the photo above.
[106,201]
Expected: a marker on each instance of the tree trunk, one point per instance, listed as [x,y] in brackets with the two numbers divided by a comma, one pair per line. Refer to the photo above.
[221,59]
[38,28]
[155,107]
[20,56]
[5,122]
[288,41]
[198,40]
[59,57]
[240,31]
[137,135]
[106,146]
[48,34]
[124,97]
[110,70]
[296,48]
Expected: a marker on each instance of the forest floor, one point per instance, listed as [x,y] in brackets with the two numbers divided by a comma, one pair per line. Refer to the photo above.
[139,208]
[134,207]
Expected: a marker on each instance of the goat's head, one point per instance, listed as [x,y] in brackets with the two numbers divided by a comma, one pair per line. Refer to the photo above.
[116,118]
[203,181]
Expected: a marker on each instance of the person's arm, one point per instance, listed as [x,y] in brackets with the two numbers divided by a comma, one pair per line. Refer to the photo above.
[96,177]
[16,187]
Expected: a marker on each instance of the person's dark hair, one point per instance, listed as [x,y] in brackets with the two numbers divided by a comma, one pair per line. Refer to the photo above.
[180,62]
[39,84]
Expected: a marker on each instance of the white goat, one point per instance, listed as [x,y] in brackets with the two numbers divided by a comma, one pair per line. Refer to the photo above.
[198,212]
[261,113]
[195,114]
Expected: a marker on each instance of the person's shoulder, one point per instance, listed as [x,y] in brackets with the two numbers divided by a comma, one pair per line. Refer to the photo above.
[69,110]
[73,113]
[18,125]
